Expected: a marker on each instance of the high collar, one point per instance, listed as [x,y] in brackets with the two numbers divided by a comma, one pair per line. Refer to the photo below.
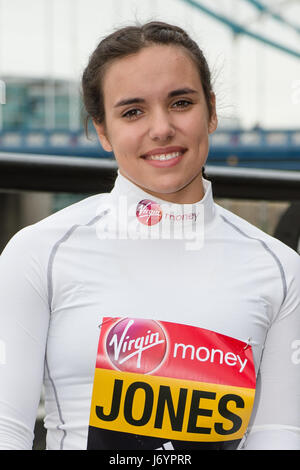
[180,213]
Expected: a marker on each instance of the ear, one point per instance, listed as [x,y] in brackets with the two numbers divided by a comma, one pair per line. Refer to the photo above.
[102,135]
[213,123]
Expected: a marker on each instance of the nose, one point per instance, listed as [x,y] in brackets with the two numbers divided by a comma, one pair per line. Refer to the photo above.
[161,127]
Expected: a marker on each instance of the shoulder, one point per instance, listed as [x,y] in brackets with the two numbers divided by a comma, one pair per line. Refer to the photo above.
[240,228]
[79,213]
[41,236]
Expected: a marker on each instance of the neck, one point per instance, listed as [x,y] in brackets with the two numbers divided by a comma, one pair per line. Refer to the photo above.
[190,194]
[131,198]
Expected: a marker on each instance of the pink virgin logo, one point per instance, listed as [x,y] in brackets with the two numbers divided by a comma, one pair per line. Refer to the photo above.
[148,212]
[136,345]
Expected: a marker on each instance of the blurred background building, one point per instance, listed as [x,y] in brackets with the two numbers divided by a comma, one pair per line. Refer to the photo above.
[253,49]
[37,103]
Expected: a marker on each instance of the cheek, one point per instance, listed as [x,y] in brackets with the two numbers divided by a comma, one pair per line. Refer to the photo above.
[125,141]
[195,125]
[197,133]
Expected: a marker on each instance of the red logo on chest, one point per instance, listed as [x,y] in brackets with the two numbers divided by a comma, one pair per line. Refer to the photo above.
[148,212]
[136,345]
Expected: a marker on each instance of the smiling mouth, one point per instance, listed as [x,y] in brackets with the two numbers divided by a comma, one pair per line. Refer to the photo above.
[166,154]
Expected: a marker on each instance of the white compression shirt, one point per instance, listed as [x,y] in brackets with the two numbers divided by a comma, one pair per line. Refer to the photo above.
[61,276]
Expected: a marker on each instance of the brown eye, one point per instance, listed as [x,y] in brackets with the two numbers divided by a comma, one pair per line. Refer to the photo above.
[182,104]
[131,114]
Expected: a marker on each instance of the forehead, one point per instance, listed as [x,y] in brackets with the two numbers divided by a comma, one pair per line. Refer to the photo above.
[154,69]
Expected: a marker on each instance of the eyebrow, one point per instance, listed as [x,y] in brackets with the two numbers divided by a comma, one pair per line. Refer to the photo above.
[179,91]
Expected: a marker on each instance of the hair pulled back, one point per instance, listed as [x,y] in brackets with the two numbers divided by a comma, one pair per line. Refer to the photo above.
[130,40]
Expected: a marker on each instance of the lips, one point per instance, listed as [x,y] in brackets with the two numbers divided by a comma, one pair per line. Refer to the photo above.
[164,157]
[165,151]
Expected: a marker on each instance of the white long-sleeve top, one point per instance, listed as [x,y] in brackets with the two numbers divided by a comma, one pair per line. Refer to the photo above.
[100,258]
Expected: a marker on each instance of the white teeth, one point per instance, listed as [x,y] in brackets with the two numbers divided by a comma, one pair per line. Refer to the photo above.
[163,157]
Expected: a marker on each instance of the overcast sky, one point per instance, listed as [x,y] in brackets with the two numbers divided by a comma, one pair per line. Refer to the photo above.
[253,83]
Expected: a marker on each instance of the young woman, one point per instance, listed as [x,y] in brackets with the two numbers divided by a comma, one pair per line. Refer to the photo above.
[155,318]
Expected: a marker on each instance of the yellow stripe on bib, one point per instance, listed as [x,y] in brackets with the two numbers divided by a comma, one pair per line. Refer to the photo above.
[169,408]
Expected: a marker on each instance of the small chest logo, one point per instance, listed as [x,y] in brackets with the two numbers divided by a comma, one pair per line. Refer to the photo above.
[148,212]
[136,345]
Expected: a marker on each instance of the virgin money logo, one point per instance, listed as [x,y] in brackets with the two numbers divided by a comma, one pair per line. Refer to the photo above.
[136,345]
[147,219]
[148,212]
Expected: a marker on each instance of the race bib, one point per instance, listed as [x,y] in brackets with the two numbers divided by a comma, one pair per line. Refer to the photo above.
[163,385]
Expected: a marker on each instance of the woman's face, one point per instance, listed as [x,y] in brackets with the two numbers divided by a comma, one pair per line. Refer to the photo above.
[157,122]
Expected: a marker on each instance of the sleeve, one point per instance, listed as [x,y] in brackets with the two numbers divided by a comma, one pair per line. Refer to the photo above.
[24,318]
[275,422]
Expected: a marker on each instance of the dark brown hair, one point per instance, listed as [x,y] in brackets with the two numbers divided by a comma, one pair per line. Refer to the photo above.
[130,40]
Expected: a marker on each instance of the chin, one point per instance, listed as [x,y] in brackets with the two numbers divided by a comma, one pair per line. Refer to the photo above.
[166,190]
